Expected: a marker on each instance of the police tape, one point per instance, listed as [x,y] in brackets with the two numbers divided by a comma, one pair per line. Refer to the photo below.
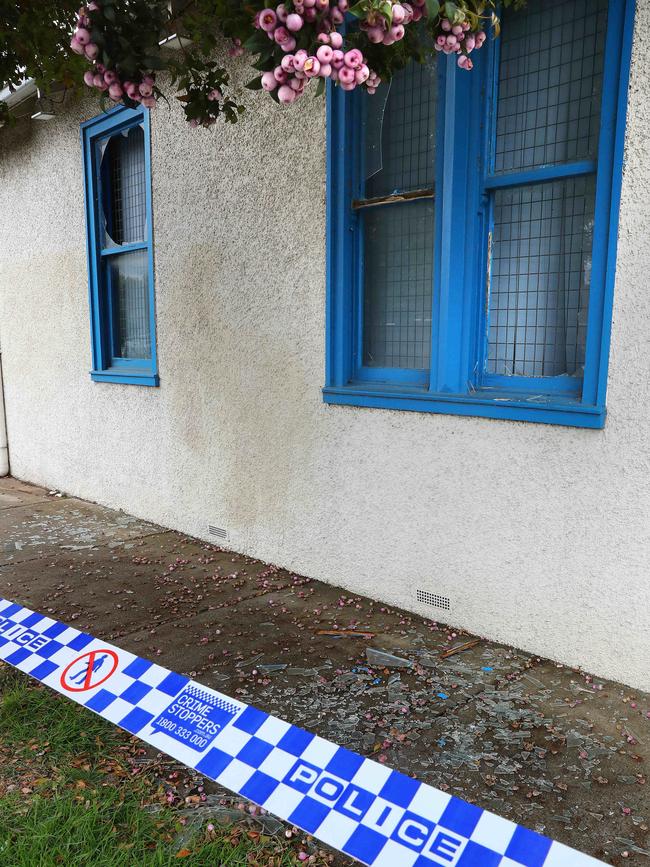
[369,812]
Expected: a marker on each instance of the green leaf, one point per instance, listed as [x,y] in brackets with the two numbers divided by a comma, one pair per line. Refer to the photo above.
[256,43]
[358,10]
[255,84]
[386,10]
[433,8]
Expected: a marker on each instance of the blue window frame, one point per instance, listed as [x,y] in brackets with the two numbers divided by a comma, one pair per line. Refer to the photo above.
[472,224]
[117,176]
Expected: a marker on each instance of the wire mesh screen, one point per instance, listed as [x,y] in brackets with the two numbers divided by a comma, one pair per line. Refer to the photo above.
[126,206]
[550,83]
[541,269]
[398,285]
[129,283]
[400,132]
[399,143]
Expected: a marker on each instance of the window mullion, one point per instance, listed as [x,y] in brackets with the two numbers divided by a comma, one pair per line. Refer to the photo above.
[449,334]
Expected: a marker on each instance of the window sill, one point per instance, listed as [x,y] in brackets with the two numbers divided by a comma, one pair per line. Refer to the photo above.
[559,410]
[134,377]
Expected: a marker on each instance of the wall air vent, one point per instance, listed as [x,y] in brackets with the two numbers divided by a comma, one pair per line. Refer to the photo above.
[433,599]
[218,532]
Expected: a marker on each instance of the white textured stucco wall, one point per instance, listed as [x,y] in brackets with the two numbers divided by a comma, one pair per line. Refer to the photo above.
[539,534]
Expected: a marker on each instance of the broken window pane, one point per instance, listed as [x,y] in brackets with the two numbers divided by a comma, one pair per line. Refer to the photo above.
[400,132]
[123,188]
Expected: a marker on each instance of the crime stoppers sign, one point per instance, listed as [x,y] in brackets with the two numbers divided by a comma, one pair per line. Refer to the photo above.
[89,670]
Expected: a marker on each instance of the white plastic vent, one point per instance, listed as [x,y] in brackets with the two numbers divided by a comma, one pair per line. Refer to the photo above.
[217,532]
[433,599]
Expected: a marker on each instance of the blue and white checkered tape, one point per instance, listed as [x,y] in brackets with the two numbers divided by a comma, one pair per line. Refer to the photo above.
[374,814]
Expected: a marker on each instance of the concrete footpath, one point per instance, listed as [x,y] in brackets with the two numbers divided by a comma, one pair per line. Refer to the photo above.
[548,747]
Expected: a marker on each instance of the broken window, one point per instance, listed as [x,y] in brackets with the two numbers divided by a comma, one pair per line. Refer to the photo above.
[121,247]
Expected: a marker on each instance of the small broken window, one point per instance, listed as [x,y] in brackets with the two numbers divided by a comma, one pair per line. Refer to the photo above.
[121,273]
[123,187]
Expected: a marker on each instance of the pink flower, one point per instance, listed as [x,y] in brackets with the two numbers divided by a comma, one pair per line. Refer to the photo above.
[236,50]
[286,95]
[281,34]
[268,82]
[336,40]
[294,22]
[375,35]
[89,78]
[145,89]
[149,101]
[268,19]
[338,59]
[311,67]
[299,59]
[347,75]
[82,35]
[399,14]
[91,51]
[362,74]
[324,54]
[76,46]
[287,63]
[353,58]
[115,91]
[289,45]
[215,95]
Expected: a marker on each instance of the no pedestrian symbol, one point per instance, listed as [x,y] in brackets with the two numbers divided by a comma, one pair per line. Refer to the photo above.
[89,670]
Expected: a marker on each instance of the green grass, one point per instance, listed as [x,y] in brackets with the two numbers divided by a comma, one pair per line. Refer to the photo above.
[68,795]
[105,830]
[31,714]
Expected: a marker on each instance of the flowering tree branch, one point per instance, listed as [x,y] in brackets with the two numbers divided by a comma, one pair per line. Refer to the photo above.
[352,43]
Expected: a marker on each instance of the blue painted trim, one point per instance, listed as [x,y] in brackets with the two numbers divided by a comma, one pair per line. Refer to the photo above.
[340,309]
[125,248]
[510,407]
[107,367]
[608,194]
[541,174]
[461,294]
[144,378]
